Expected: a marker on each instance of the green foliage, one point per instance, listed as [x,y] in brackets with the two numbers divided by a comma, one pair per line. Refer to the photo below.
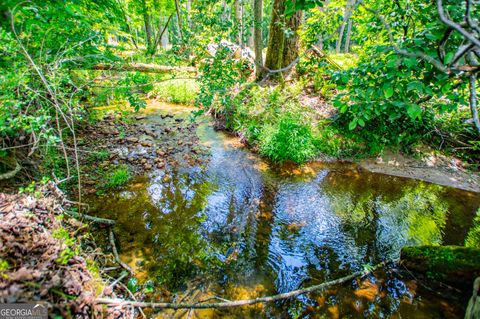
[118,177]
[132,284]
[289,140]
[220,75]
[69,251]
[98,156]
[176,91]
[473,236]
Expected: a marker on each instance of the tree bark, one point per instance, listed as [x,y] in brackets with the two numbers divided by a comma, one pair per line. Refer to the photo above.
[474,100]
[189,19]
[237,17]
[257,36]
[341,32]
[179,19]
[349,36]
[162,32]
[251,28]
[292,42]
[276,37]
[148,27]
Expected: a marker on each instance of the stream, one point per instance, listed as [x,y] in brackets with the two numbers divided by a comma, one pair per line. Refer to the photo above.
[240,227]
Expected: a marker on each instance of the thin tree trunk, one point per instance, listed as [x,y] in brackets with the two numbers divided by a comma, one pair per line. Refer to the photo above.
[237,21]
[349,36]
[162,31]
[189,19]
[342,28]
[257,36]
[340,38]
[179,19]
[148,27]
[292,43]
[127,23]
[276,37]
[474,100]
[164,40]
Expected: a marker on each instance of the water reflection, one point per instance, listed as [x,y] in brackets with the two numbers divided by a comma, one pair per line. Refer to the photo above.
[257,229]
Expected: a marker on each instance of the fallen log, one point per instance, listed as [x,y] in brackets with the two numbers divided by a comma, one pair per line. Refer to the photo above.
[236,303]
[92,218]
[455,265]
[143,67]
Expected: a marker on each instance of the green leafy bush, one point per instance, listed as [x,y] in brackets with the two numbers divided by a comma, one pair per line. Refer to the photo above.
[288,140]
[176,91]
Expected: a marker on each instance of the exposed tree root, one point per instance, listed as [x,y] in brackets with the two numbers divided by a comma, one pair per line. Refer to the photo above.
[236,303]
[11,173]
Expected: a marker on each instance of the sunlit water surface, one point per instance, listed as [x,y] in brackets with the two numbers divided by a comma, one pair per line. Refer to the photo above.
[262,229]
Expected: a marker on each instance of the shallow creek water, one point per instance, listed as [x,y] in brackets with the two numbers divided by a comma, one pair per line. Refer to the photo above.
[265,229]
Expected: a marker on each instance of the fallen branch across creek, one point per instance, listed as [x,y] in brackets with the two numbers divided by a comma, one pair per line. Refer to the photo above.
[236,303]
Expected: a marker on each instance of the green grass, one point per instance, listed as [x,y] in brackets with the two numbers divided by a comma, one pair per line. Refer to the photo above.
[98,156]
[118,177]
[179,91]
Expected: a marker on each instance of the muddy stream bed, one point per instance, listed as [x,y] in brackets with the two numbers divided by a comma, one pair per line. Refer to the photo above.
[239,227]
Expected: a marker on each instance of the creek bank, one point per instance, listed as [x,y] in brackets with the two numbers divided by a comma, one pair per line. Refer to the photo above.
[437,169]
[40,255]
[455,265]
[141,141]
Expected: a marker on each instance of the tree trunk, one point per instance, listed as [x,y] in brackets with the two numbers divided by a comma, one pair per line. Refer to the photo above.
[292,43]
[161,31]
[164,40]
[148,28]
[179,19]
[251,28]
[273,60]
[189,19]
[257,36]
[349,36]
[237,17]
[341,32]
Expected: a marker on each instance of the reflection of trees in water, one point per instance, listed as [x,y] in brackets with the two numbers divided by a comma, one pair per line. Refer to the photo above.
[160,224]
[383,213]
[177,248]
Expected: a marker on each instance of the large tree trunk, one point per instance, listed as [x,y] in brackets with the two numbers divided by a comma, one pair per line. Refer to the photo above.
[273,60]
[292,43]
[148,28]
[257,36]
